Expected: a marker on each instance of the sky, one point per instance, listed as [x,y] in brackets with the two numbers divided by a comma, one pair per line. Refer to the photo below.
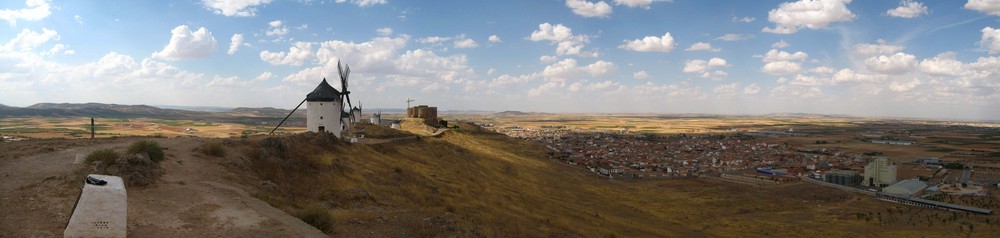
[890,58]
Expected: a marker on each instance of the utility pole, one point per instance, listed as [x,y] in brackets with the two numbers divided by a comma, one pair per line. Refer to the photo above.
[92,128]
[408,100]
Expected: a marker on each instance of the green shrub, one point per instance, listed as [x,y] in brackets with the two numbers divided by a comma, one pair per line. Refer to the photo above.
[316,216]
[151,148]
[106,156]
[213,148]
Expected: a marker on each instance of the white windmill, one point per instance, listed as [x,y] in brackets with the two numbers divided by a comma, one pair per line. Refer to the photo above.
[325,108]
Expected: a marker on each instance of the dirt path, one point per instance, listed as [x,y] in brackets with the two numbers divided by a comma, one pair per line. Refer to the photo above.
[194,198]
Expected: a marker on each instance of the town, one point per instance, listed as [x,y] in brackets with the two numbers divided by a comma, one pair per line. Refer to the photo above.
[758,157]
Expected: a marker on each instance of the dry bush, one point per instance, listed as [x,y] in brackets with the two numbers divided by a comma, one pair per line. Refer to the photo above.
[316,216]
[212,148]
[151,148]
[135,169]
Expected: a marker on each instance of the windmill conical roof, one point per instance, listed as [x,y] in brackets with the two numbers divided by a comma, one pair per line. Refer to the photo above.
[323,93]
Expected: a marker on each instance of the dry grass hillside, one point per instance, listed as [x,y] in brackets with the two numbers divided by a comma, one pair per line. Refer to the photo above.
[467,182]
[473,182]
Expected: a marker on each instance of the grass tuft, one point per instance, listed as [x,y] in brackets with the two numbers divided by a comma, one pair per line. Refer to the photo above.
[105,156]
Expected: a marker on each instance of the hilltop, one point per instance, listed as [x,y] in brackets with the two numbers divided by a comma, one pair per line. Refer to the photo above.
[469,181]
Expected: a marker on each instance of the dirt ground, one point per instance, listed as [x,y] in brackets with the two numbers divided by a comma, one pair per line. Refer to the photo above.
[194,198]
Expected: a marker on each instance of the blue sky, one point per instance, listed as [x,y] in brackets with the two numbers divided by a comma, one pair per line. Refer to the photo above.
[919,58]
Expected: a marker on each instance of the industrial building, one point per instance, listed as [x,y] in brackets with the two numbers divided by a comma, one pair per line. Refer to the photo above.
[907,187]
[843,177]
[879,173]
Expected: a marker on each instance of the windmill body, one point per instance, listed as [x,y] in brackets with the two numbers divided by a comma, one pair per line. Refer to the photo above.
[324,109]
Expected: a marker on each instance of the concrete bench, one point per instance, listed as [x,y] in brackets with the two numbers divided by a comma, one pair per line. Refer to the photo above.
[101,210]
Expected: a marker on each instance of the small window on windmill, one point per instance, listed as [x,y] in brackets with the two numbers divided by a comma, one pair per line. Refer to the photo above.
[321,104]
[321,118]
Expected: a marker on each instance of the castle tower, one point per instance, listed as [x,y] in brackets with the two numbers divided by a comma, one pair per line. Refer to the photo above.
[323,109]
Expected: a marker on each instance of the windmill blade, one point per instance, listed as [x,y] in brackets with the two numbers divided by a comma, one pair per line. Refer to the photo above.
[350,107]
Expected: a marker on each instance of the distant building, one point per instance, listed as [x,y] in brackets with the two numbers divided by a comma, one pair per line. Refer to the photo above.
[843,177]
[895,142]
[429,114]
[907,187]
[928,161]
[376,118]
[879,173]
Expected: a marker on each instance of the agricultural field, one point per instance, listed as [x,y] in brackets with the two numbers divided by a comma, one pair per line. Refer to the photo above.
[79,127]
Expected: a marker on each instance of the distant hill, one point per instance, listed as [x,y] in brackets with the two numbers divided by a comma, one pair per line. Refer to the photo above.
[268,111]
[96,110]
[511,113]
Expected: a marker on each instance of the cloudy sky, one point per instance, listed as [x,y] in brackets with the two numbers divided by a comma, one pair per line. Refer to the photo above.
[910,58]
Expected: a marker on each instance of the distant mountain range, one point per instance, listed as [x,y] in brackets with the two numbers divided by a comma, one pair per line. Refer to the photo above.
[118,110]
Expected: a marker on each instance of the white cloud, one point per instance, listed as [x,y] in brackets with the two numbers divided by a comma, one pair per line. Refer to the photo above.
[562,36]
[383,56]
[796,91]
[991,40]
[234,43]
[465,43]
[296,55]
[589,9]
[36,10]
[751,89]
[264,76]
[28,40]
[789,17]
[781,67]
[726,89]
[908,9]
[780,44]
[434,40]
[641,74]
[276,28]
[78,19]
[744,19]
[904,86]
[601,68]
[848,76]
[384,31]
[494,39]
[703,47]
[185,44]
[365,3]
[779,62]
[567,69]
[898,63]
[869,50]
[822,70]
[734,37]
[548,59]
[644,4]
[990,7]
[650,44]
[507,80]
[704,67]
[943,64]
[242,8]
[775,55]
